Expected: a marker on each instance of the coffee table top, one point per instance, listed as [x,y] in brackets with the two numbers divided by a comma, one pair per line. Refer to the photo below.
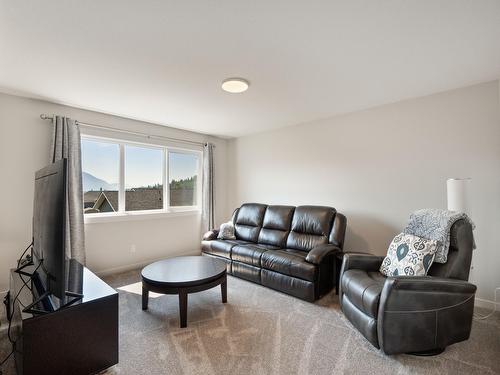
[183,271]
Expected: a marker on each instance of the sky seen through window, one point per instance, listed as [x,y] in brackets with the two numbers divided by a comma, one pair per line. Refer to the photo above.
[143,165]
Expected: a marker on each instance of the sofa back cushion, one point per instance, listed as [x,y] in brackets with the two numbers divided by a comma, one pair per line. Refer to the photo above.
[248,221]
[311,226]
[276,225]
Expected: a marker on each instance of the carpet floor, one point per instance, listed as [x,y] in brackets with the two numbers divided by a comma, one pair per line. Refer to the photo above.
[261,331]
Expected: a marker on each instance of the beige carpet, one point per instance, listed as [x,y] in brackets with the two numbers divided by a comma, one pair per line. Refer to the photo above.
[261,331]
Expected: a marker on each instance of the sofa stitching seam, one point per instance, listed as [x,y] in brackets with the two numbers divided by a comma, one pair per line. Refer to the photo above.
[430,310]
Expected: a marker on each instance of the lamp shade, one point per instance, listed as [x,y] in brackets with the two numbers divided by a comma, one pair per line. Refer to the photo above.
[458,194]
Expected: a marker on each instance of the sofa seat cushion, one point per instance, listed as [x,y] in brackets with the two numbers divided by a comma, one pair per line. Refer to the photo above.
[363,289]
[289,262]
[268,247]
[222,248]
[249,253]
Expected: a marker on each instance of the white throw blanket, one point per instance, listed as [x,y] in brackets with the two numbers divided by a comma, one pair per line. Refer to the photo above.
[435,224]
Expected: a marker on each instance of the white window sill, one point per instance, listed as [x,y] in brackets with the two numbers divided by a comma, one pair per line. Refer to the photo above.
[139,215]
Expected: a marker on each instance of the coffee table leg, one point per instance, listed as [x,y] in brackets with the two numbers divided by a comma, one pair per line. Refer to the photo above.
[183,301]
[223,289]
[145,298]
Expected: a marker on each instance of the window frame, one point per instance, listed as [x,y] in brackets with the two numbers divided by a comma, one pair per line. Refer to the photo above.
[167,210]
[198,180]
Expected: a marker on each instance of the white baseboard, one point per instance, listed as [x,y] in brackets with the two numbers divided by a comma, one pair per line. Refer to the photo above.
[133,266]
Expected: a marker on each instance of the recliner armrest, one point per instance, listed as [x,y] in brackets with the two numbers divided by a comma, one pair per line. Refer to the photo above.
[429,284]
[359,261]
[423,293]
[441,307]
[318,253]
[367,262]
[211,235]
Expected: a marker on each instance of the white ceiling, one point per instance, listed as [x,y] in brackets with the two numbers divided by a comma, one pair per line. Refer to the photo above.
[163,61]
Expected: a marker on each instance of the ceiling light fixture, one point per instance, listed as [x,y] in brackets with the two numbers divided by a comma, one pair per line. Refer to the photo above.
[235,85]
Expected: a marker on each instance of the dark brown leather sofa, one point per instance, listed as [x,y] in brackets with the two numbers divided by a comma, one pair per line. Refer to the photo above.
[290,249]
[405,314]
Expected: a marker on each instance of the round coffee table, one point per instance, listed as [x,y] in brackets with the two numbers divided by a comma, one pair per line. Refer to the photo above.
[183,275]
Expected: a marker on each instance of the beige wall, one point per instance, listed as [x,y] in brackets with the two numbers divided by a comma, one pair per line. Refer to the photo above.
[24,148]
[378,165]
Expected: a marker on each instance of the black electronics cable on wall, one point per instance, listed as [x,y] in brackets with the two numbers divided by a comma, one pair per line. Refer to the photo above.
[9,306]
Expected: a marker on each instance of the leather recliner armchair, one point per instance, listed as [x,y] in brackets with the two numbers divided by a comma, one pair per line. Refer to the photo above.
[405,314]
[291,249]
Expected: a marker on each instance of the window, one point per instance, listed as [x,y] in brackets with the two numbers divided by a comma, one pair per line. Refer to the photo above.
[100,176]
[183,178]
[122,176]
[143,178]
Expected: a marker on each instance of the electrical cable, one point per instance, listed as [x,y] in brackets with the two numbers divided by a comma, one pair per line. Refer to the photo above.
[6,358]
[483,317]
[20,275]
[10,318]
[19,292]
[24,252]
[19,263]
[10,323]
[25,282]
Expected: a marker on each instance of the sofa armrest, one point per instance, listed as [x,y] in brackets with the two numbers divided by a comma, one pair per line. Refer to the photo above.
[211,235]
[318,253]
[439,307]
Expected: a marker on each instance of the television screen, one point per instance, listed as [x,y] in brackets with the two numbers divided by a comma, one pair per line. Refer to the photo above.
[49,231]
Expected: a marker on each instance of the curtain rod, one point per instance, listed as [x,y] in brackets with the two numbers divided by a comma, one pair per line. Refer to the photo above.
[149,136]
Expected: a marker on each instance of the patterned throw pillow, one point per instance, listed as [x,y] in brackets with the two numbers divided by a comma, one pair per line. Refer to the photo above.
[226,231]
[409,255]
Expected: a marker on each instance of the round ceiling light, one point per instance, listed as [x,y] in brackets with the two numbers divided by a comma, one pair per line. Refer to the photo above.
[235,85]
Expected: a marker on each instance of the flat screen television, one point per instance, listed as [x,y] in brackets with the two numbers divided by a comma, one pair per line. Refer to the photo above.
[49,230]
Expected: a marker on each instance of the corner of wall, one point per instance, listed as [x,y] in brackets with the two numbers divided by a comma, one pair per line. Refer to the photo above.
[231,175]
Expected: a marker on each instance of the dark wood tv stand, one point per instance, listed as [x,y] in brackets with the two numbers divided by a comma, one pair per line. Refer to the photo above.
[81,338]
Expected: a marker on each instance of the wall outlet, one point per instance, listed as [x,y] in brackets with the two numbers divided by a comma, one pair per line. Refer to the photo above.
[133,248]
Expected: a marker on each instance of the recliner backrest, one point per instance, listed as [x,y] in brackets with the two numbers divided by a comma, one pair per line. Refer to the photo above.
[276,225]
[337,234]
[311,226]
[459,255]
[248,221]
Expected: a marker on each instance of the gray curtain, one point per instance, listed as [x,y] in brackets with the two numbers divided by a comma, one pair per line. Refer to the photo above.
[208,213]
[66,144]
